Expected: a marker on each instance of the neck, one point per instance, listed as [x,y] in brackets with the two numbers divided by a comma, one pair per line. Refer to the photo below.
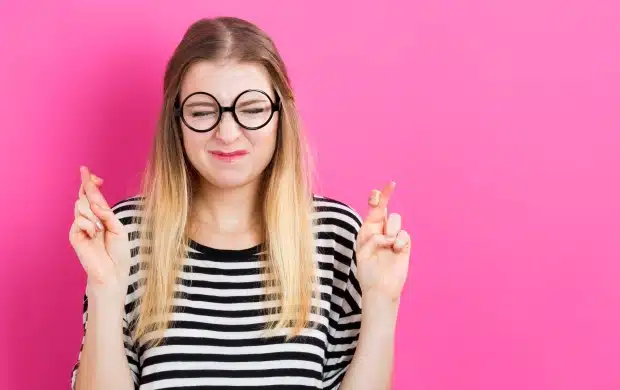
[227,210]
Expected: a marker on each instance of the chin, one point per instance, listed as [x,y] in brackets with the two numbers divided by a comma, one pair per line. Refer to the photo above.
[230,180]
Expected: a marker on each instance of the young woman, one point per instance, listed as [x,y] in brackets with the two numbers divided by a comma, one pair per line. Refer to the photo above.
[228,271]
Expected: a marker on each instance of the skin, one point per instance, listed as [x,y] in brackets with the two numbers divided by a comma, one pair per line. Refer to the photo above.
[225,216]
[383,252]
[226,211]
[226,81]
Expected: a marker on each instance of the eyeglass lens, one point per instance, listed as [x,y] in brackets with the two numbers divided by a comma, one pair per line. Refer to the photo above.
[252,110]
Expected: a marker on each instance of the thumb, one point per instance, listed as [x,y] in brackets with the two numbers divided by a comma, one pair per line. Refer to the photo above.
[108,218]
[376,241]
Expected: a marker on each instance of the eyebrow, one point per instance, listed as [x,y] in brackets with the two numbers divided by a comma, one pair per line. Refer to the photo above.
[210,103]
[249,102]
[200,104]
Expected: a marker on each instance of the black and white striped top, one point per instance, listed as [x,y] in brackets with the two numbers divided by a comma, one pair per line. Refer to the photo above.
[215,341]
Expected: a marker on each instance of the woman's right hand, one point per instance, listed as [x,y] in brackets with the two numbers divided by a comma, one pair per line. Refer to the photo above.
[100,241]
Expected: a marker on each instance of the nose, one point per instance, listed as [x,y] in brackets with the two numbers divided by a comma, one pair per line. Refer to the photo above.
[227,130]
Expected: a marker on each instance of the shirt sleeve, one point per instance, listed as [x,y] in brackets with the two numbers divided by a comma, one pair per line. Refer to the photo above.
[345,317]
[130,351]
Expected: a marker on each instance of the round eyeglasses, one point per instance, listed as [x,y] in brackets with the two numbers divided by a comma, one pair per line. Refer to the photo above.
[252,110]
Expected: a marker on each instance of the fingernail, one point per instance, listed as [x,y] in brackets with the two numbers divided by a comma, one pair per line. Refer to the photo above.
[374,198]
[99,225]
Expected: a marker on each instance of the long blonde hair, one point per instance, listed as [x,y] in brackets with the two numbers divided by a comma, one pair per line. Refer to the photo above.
[169,183]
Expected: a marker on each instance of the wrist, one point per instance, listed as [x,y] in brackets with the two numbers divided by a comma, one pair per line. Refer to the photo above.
[379,310]
[107,314]
[110,289]
[110,302]
[376,301]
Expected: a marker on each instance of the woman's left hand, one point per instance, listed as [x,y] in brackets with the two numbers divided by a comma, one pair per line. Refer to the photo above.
[383,249]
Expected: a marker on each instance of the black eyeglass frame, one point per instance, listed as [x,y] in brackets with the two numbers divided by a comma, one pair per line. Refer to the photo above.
[275,107]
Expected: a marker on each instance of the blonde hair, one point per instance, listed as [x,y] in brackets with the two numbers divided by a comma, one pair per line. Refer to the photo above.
[170,182]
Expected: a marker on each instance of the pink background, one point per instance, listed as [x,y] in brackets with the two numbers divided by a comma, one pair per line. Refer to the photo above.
[499,120]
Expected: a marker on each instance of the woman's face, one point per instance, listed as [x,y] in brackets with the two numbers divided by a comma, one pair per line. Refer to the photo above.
[229,155]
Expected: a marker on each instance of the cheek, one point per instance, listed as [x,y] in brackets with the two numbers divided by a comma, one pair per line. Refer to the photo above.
[193,143]
[264,142]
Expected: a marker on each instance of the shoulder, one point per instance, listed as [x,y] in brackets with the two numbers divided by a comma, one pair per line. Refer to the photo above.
[337,222]
[329,211]
[337,226]
[128,210]
[129,213]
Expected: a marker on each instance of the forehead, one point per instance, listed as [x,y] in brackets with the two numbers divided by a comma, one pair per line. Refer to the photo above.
[225,80]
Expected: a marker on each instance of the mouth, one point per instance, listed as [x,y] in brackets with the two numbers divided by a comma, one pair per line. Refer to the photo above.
[228,156]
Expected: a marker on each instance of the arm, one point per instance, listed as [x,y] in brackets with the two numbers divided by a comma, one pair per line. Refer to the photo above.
[360,353]
[107,359]
[380,264]
[371,366]
[103,362]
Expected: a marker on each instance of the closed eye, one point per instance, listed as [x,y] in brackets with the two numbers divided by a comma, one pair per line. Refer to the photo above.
[197,114]
[257,110]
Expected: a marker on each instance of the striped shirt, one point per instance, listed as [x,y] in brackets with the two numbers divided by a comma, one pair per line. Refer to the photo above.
[215,340]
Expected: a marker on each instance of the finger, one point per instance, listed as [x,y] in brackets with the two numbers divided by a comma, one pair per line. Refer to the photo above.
[393,225]
[378,202]
[386,194]
[363,235]
[76,209]
[73,231]
[96,179]
[92,191]
[375,242]
[403,241]
[83,209]
[86,226]
[375,197]
[108,218]
[390,228]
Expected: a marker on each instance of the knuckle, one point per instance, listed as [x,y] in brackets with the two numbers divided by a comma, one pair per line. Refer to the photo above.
[83,210]
[86,209]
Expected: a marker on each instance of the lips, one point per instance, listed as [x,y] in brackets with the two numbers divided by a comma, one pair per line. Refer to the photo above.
[228,156]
